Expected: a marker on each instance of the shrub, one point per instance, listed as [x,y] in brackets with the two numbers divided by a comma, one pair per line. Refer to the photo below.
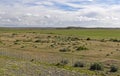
[75,39]
[34,46]
[62,63]
[102,40]
[111,52]
[115,40]
[22,46]
[0,41]
[37,40]
[14,34]
[52,45]
[64,50]
[113,68]
[81,48]
[107,54]
[15,43]
[16,40]
[88,38]
[96,66]
[79,64]
[117,50]
[31,60]
[48,36]
[28,40]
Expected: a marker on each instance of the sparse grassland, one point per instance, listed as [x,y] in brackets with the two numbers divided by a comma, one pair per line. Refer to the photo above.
[59,52]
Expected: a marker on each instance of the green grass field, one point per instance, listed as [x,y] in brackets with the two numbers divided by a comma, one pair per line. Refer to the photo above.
[93,33]
[54,52]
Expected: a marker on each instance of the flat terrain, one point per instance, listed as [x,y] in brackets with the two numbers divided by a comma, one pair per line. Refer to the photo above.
[40,52]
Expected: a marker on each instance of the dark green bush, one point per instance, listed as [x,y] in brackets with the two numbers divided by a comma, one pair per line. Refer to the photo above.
[96,66]
[113,68]
[79,64]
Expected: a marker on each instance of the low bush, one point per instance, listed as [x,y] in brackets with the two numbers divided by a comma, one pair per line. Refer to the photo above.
[16,40]
[14,34]
[15,43]
[28,40]
[22,46]
[0,41]
[81,48]
[79,64]
[102,40]
[88,38]
[96,66]
[37,41]
[114,40]
[62,63]
[107,54]
[113,68]
[64,50]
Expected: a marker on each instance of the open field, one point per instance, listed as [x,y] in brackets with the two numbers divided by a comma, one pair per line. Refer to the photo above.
[53,52]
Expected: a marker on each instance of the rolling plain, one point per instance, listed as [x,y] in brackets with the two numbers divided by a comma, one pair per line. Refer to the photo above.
[59,52]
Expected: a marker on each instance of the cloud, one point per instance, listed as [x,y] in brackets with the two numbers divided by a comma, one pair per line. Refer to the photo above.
[60,13]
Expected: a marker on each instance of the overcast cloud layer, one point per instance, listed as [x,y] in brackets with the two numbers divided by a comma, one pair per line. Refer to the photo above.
[59,13]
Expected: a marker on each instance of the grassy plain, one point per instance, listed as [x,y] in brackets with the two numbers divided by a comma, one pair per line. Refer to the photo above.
[36,52]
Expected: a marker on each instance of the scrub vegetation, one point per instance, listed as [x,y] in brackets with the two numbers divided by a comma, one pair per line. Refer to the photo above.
[59,52]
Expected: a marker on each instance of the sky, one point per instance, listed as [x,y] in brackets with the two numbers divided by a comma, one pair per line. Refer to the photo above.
[60,13]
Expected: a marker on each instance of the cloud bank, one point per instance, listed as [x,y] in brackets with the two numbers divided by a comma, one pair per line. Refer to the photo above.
[59,13]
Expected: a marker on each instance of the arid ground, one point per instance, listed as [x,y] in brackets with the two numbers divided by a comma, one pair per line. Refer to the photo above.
[54,52]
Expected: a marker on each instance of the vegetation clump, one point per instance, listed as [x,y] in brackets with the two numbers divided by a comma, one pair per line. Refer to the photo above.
[22,46]
[88,38]
[107,54]
[64,50]
[37,40]
[28,40]
[0,41]
[62,63]
[14,34]
[113,68]
[75,39]
[81,48]
[102,40]
[16,40]
[96,66]
[79,64]
[115,40]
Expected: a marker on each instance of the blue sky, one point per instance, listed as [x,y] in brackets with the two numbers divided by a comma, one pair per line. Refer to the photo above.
[59,13]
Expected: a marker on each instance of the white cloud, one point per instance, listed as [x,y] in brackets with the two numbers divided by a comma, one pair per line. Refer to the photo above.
[44,3]
[46,13]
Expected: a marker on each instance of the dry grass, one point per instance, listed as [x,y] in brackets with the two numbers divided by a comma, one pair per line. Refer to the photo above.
[22,55]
